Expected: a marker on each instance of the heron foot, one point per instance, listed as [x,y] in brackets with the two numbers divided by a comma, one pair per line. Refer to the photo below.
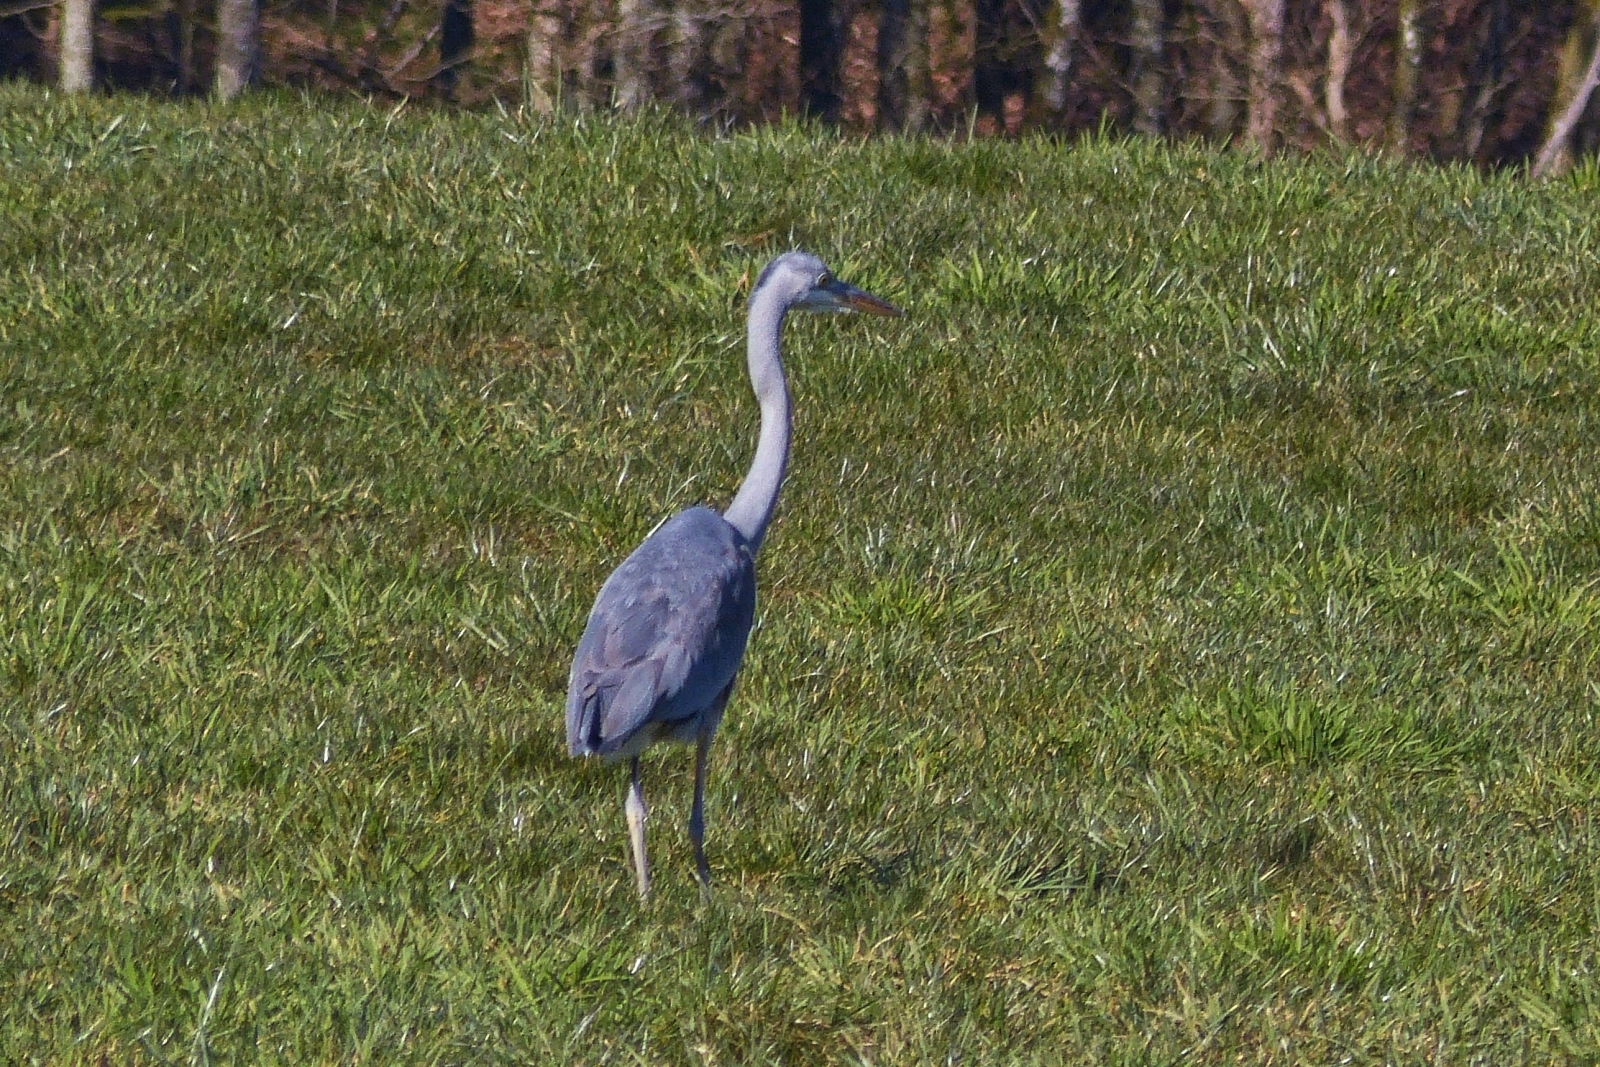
[701,867]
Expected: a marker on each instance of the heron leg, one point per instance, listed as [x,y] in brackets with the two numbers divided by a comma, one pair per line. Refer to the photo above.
[636,817]
[697,816]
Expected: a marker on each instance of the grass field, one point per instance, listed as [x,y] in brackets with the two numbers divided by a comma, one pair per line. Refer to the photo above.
[1178,637]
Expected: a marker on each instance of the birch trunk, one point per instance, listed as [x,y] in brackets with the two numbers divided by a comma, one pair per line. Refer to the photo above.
[1063,25]
[1266,71]
[1341,51]
[238,34]
[542,78]
[1407,72]
[77,46]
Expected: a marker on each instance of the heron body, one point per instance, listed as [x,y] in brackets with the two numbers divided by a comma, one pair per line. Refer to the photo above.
[665,638]
[664,641]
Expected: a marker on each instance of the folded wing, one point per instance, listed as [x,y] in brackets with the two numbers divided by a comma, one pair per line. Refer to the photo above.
[665,637]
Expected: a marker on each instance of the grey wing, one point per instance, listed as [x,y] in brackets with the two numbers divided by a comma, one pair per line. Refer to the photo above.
[665,637]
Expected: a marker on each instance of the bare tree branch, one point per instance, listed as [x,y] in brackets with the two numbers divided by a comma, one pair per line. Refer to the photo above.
[22,7]
[1490,71]
[1555,146]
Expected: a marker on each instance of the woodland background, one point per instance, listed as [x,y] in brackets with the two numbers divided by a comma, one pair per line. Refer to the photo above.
[1492,82]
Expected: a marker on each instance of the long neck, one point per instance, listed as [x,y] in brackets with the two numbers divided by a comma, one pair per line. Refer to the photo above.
[751,509]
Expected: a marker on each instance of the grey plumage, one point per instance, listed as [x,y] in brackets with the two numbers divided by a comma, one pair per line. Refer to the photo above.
[658,658]
[665,638]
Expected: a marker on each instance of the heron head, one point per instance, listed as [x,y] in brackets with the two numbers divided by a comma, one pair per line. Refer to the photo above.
[806,284]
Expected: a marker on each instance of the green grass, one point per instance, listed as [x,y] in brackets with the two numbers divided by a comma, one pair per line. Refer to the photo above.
[1178,637]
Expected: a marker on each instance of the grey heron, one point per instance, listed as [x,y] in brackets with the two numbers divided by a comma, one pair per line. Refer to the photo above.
[668,630]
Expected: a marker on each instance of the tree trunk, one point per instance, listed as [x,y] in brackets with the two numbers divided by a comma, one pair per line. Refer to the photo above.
[636,23]
[821,48]
[1407,72]
[330,23]
[1266,71]
[893,84]
[989,81]
[238,31]
[1149,69]
[1490,68]
[180,20]
[1575,87]
[77,46]
[728,42]
[687,56]
[951,40]
[1231,41]
[370,72]
[903,65]
[919,87]
[542,78]
[591,32]
[455,44]
[1341,51]
[1062,27]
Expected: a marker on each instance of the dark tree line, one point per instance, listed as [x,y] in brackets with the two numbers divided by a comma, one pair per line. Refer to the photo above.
[1490,81]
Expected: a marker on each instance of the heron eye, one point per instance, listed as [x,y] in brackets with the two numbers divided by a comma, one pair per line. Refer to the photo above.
[824,279]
